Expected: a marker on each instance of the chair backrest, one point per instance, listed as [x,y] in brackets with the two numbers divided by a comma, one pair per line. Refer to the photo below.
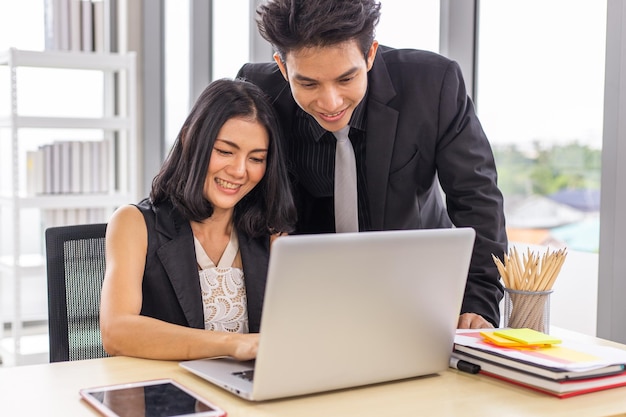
[75,270]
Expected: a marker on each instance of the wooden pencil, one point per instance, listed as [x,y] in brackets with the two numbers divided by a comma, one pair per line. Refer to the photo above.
[532,273]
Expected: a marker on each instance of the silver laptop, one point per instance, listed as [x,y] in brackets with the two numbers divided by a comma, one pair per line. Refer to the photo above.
[351,309]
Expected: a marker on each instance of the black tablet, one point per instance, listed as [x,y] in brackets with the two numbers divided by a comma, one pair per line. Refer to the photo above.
[155,398]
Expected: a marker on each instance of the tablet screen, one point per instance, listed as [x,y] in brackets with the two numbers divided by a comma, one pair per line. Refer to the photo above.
[161,398]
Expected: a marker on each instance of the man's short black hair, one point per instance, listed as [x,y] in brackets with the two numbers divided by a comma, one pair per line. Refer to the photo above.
[290,25]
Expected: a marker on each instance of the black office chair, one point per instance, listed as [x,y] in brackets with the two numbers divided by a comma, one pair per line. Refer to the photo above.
[75,269]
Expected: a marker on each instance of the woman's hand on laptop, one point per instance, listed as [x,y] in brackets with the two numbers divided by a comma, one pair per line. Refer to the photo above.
[245,346]
[473,321]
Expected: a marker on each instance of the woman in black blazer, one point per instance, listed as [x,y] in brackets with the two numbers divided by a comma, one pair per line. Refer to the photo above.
[186,268]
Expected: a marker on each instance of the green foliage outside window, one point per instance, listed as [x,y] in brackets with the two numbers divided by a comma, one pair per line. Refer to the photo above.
[546,170]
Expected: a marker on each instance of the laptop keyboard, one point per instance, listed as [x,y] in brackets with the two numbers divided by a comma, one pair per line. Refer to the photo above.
[247,375]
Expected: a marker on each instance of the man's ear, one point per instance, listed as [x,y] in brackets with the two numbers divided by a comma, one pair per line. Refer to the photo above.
[371,54]
[281,65]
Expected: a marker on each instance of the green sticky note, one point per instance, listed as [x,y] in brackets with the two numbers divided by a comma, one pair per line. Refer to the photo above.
[527,336]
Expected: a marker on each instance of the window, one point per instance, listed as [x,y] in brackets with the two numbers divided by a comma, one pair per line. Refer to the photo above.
[540,97]
[176,63]
[231,37]
[413,24]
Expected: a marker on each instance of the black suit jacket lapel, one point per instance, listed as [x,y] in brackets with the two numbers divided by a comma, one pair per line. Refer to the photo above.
[179,260]
[382,121]
[255,258]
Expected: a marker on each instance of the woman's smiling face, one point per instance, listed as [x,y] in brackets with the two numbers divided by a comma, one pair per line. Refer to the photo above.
[238,162]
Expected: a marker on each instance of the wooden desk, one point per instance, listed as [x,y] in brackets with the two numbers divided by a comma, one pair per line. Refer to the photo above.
[450,393]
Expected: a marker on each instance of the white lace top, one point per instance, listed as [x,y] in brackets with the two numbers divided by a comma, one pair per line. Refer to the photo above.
[223,290]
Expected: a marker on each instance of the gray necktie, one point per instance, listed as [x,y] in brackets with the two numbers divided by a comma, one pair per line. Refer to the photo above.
[346,205]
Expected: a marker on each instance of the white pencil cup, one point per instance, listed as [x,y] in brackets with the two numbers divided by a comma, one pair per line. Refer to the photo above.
[527,309]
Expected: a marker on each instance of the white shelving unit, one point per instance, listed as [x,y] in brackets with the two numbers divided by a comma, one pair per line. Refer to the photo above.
[117,126]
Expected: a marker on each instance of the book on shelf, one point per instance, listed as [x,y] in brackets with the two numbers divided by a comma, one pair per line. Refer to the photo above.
[55,170]
[76,25]
[86,167]
[47,168]
[69,167]
[65,166]
[98,25]
[87,25]
[63,13]
[96,166]
[82,215]
[564,369]
[50,25]
[104,167]
[76,170]
[35,175]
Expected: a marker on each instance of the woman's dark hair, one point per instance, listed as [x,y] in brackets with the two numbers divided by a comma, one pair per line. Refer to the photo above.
[269,206]
[290,25]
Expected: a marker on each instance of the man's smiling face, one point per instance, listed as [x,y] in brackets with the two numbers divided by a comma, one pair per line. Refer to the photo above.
[328,82]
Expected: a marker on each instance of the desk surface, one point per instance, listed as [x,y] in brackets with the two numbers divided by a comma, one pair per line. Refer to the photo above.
[449,393]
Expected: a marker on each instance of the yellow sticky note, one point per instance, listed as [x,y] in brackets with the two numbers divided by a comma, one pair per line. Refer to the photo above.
[527,336]
[501,341]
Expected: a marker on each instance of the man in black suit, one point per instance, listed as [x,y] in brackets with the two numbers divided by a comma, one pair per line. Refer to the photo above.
[412,127]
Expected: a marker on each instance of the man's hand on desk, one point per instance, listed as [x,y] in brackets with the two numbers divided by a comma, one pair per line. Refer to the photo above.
[473,321]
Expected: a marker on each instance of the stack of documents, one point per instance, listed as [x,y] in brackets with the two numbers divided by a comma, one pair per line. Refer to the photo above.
[557,367]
